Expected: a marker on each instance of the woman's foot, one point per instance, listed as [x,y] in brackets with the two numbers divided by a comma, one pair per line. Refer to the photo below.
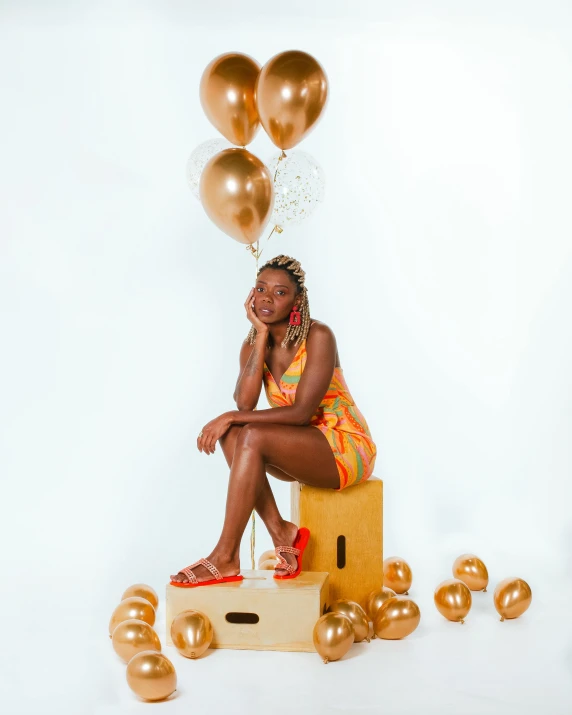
[225,566]
[285,535]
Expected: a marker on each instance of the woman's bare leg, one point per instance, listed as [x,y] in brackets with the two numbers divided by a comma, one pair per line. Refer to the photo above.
[302,453]
[281,532]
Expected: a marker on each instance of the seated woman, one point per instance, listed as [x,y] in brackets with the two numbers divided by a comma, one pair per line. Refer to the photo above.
[313,433]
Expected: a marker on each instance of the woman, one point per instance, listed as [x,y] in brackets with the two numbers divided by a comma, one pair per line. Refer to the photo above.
[298,362]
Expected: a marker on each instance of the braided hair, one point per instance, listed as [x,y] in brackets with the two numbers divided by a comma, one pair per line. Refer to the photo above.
[295,333]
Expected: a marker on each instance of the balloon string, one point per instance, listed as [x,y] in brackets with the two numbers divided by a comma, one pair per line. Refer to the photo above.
[257,253]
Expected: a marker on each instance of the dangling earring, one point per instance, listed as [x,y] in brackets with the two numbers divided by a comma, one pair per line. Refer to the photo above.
[295,318]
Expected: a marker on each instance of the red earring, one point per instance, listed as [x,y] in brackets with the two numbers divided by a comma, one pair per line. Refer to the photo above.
[295,318]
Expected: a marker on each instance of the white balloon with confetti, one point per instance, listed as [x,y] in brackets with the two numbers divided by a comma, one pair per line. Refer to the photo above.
[299,183]
[199,158]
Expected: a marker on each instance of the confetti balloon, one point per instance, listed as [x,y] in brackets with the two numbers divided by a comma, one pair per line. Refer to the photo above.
[299,183]
[199,158]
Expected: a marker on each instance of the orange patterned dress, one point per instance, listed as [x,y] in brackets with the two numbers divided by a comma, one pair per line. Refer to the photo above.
[337,417]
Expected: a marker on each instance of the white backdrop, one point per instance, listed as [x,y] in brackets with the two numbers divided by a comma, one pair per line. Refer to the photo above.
[441,259]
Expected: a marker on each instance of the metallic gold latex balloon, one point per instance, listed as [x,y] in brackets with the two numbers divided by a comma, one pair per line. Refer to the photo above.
[397,574]
[191,633]
[237,193]
[376,598]
[143,591]
[469,569]
[290,94]
[227,96]
[151,675]
[268,565]
[333,636]
[512,597]
[270,554]
[132,607]
[396,618]
[453,599]
[132,636]
[357,616]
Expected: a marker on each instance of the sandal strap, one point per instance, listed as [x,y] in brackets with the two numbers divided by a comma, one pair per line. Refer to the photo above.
[287,549]
[201,562]
[282,563]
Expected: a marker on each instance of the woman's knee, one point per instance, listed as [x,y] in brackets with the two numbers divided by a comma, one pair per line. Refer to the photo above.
[252,435]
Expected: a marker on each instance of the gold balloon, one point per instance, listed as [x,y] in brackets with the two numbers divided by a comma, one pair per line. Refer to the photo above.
[268,565]
[270,554]
[144,591]
[227,96]
[132,636]
[132,607]
[291,93]
[151,675]
[191,633]
[469,569]
[396,618]
[512,597]
[397,574]
[237,193]
[333,636]
[376,598]
[357,616]
[453,599]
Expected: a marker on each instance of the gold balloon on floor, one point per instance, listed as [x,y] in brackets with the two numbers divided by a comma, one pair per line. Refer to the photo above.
[268,565]
[397,574]
[237,193]
[270,554]
[333,636]
[291,93]
[132,607]
[143,591]
[376,598]
[396,618]
[227,96]
[512,597]
[453,599]
[132,636]
[191,633]
[357,616]
[151,675]
[469,569]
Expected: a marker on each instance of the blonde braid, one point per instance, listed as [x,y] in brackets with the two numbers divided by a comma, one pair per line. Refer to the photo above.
[294,333]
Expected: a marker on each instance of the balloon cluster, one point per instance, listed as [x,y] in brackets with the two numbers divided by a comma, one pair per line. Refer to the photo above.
[512,596]
[240,193]
[150,674]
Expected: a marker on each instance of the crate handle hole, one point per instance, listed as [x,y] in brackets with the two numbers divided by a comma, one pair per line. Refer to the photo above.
[341,552]
[237,617]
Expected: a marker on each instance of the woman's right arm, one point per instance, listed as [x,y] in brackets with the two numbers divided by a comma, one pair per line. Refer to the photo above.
[249,383]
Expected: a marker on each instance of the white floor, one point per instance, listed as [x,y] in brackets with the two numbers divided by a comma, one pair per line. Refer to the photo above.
[482,667]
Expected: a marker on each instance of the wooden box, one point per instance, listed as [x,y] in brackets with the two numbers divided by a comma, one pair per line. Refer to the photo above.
[346,535]
[257,613]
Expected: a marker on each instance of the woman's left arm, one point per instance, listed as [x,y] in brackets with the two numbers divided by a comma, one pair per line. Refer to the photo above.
[313,385]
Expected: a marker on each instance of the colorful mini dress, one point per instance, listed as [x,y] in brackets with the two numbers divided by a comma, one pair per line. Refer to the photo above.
[337,417]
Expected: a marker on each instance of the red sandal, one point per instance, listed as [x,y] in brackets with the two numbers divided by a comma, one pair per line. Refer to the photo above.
[193,581]
[300,543]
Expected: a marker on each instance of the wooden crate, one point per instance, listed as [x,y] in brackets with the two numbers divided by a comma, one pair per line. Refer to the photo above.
[346,535]
[259,612]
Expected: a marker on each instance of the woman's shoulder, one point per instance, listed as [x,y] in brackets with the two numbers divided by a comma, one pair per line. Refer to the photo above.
[320,331]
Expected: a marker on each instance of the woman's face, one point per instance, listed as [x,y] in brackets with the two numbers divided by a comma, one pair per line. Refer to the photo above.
[274,295]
